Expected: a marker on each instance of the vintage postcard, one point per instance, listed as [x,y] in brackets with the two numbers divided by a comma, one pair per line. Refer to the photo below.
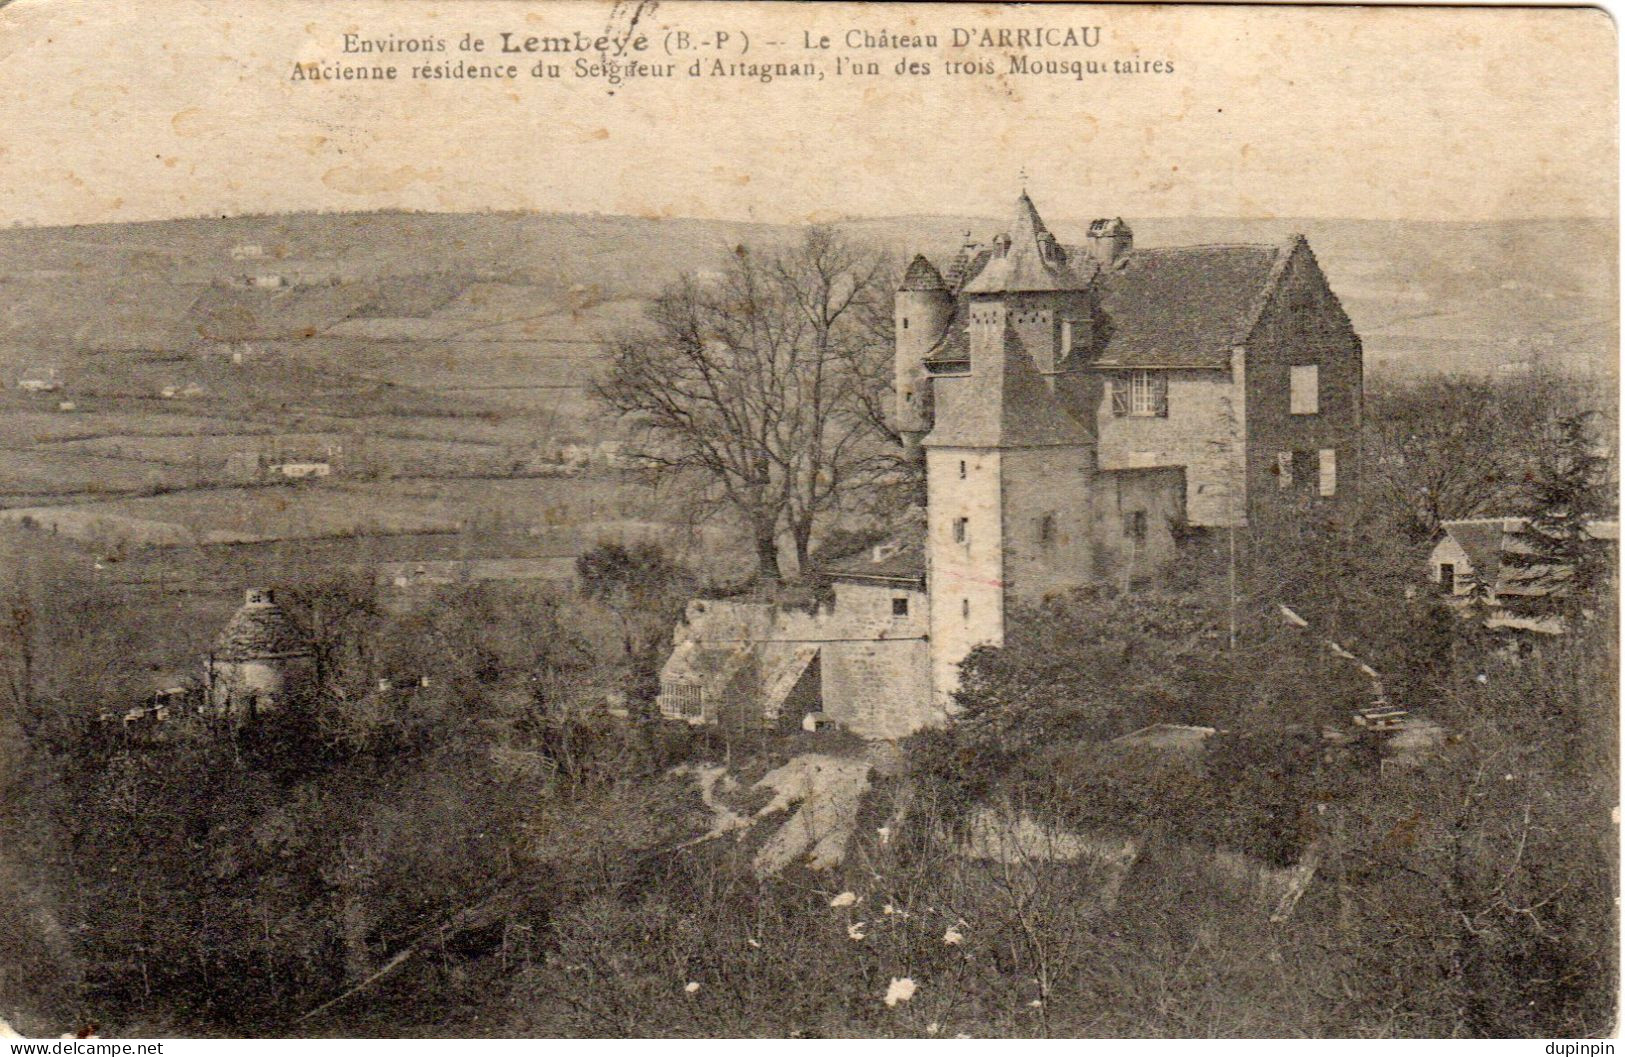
[764,520]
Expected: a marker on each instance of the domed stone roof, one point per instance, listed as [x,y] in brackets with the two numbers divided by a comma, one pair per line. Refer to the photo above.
[260,631]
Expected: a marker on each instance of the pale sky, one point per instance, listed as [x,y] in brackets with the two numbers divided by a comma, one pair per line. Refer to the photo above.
[184,107]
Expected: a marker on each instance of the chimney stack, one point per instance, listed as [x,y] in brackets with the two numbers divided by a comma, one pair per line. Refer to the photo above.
[1110,240]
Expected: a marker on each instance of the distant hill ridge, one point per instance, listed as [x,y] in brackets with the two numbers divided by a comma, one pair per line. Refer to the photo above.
[1424,295]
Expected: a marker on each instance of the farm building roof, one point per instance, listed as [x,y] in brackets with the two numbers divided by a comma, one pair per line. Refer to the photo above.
[1485,540]
[260,631]
[898,560]
[1480,540]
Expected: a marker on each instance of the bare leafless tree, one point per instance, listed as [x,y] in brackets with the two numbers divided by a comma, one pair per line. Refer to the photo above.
[766,383]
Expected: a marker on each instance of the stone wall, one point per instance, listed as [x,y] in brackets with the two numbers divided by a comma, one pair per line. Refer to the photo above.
[873,664]
[967,575]
[1160,495]
[1049,522]
[1202,433]
[1304,324]
[234,686]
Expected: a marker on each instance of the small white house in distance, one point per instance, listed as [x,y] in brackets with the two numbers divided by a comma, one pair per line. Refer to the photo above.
[39,380]
[303,471]
[1469,551]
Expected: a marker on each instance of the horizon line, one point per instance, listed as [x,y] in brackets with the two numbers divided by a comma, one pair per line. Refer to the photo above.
[20,225]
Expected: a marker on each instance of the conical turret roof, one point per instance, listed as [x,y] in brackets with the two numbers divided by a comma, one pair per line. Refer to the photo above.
[922,275]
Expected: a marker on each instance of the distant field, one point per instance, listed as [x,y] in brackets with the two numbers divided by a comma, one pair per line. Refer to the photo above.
[79,474]
[358,452]
[278,512]
[25,426]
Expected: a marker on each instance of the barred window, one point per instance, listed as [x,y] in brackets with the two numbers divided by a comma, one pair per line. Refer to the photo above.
[1141,394]
[682,700]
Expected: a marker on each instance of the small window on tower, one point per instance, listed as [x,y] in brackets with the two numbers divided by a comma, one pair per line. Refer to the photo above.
[1134,525]
[964,608]
[1046,530]
[961,529]
[899,607]
[1283,470]
[961,469]
[905,322]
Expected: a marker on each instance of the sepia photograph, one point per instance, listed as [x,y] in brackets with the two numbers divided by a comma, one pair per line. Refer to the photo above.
[569,519]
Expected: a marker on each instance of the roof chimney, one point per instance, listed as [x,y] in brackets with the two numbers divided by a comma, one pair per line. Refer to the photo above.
[1110,240]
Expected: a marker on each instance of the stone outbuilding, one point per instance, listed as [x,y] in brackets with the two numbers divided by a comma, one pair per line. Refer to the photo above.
[259,659]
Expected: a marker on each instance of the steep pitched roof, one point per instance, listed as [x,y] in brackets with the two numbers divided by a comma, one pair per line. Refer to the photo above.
[1003,404]
[1186,306]
[922,275]
[1030,259]
[954,345]
[260,631]
[1481,540]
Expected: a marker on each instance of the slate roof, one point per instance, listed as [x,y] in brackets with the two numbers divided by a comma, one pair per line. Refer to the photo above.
[1002,405]
[1183,306]
[970,260]
[901,560]
[1186,306]
[1032,261]
[1481,540]
[260,631]
[922,275]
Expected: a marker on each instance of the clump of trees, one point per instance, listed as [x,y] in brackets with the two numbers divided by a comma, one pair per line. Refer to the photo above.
[1439,449]
[1556,567]
[646,591]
